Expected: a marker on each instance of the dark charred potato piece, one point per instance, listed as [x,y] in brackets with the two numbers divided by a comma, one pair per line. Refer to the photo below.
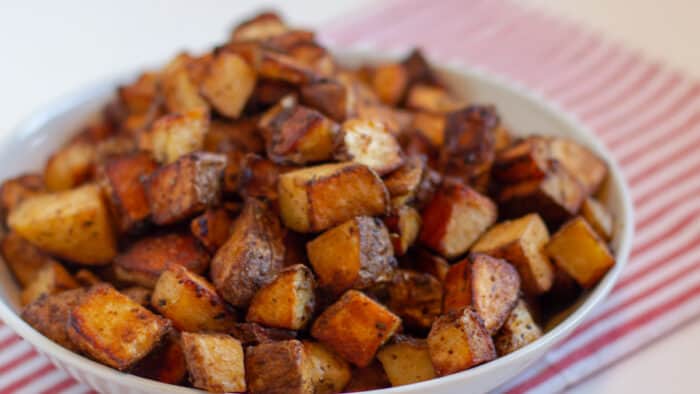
[355,327]
[165,364]
[228,84]
[286,302]
[23,258]
[521,242]
[144,261]
[330,97]
[49,315]
[185,187]
[371,377]
[356,254]
[254,334]
[406,360]
[455,218]
[369,142]
[259,177]
[190,301]
[234,135]
[422,260]
[587,168]
[114,330]
[330,373]
[215,362]
[70,166]
[519,330]
[389,82]
[123,177]
[580,252]
[212,228]
[269,92]
[525,160]
[73,224]
[175,135]
[316,198]
[416,297]
[598,217]
[279,367]
[419,71]
[404,225]
[252,256]
[432,99]
[52,278]
[14,191]
[403,183]
[278,66]
[459,341]
[260,27]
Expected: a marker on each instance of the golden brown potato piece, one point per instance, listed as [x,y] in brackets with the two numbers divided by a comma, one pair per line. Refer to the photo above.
[138,294]
[252,256]
[286,302]
[371,377]
[403,184]
[13,191]
[356,254]
[86,278]
[113,329]
[144,261]
[215,362]
[432,99]
[369,142]
[585,166]
[455,218]
[185,187]
[580,252]
[328,96]
[316,198]
[175,135]
[404,225]
[525,160]
[72,224]
[422,260]
[459,341]
[260,27]
[279,367]
[255,334]
[297,135]
[190,301]
[521,242]
[329,372]
[179,89]
[123,176]
[488,285]
[519,330]
[212,228]
[139,96]
[355,327]
[406,360]
[431,126]
[228,84]
[70,166]
[389,82]
[278,66]
[598,217]
[416,297]
[49,313]
[165,364]
[52,278]
[23,258]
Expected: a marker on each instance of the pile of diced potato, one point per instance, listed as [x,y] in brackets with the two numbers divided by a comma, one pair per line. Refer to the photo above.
[260,218]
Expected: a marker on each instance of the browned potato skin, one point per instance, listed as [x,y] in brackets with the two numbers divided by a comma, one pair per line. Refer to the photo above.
[355,327]
[459,341]
[371,377]
[212,228]
[144,261]
[279,367]
[422,260]
[49,315]
[185,187]
[369,142]
[252,256]
[255,334]
[278,66]
[330,373]
[598,217]
[228,83]
[23,258]
[14,191]
[404,226]
[588,169]
[405,181]
[525,160]
[240,135]
[518,331]
[215,362]
[286,302]
[70,166]
[356,254]
[416,297]
[259,177]
[406,360]
[330,97]
[113,329]
[165,364]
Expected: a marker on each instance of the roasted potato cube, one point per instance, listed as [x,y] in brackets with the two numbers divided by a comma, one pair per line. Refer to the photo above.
[179,89]
[459,341]
[86,278]
[580,252]
[356,254]
[416,297]
[355,327]
[488,285]
[260,27]
[521,242]
[252,256]
[190,301]
[406,361]
[240,135]
[329,372]
[123,176]
[70,166]
[165,364]
[404,225]
[138,294]
[139,96]
[598,217]
[286,302]
[228,84]
[528,159]
[278,66]
[52,278]
[215,362]
[23,258]
[175,135]
[371,377]
[422,260]
[72,224]
[389,82]
[259,177]
[279,367]
[432,99]
[185,187]
[298,135]
[316,198]
[14,191]
[404,183]
[585,166]
[49,313]
[328,96]
[212,228]
[369,142]
[455,218]
[254,334]
[519,330]
[431,126]
[113,329]
[144,261]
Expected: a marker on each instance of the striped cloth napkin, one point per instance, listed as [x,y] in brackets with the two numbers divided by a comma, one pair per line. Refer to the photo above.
[648,116]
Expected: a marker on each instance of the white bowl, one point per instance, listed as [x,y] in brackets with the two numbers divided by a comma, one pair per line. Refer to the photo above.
[31,143]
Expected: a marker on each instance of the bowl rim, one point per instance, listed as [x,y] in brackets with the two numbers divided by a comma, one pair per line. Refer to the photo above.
[45,113]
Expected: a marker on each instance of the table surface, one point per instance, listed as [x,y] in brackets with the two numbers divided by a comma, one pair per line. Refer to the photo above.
[50,48]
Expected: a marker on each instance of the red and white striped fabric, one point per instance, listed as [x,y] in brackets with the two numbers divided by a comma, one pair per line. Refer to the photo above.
[648,115]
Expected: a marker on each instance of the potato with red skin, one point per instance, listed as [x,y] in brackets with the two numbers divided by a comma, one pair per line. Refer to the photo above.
[279,367]
[212,228]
